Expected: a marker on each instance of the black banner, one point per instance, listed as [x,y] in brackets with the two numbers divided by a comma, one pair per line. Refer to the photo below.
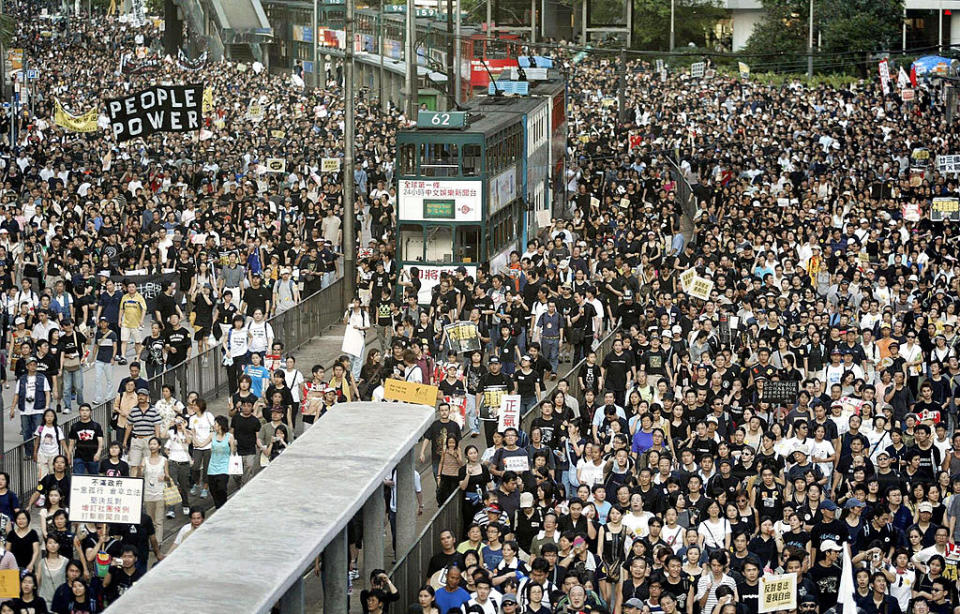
[161,108]
[186,63]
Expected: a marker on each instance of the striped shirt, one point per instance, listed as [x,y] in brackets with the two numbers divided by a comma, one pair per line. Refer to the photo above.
[143,421]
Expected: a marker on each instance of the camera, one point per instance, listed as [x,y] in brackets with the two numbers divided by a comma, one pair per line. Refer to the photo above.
[29,399]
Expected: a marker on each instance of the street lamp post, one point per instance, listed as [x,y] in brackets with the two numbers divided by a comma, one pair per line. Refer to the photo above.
[810,45]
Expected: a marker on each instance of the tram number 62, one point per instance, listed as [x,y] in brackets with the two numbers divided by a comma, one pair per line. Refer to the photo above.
[440,119]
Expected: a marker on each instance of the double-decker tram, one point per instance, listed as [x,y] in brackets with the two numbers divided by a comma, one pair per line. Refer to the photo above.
[474,185]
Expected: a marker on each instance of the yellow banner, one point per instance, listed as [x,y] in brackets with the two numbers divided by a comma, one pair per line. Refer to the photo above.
[410,392]
[9,584]
[207,100]
[75,123]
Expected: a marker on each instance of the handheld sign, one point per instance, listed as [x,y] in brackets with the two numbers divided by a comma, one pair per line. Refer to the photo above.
[410,392]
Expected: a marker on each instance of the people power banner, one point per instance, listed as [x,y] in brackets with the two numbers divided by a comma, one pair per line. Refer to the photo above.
[161,108]
[86,122]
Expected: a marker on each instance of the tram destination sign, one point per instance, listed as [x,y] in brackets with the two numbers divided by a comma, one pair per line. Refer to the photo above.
[446,120]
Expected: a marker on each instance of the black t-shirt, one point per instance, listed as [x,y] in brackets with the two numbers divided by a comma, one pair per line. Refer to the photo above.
[590,374]
[617,368]
[455,389]
[256,298]
[749,597]
[22,547]
[437,434]
[834,530]
[527,382]
[37,606]
[69,346]
[179,339]
[114,470]
[827,580]
[50,482]
[84,435]
[245,430]
[136,535]
[166,305]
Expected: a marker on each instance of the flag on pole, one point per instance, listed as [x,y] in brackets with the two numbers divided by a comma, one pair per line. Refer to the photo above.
[846,584]
[902,79]
[913,75]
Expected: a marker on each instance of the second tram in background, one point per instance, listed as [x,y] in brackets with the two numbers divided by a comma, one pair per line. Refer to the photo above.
[475,185]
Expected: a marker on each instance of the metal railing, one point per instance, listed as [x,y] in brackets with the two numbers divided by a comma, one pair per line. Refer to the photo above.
[408,572]
[203,373]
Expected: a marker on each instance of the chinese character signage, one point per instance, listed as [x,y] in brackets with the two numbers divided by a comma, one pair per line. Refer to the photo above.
[111,500]
[462,337]
[509,412]
[701,288]
[421,199]
[945,208]
[778,592]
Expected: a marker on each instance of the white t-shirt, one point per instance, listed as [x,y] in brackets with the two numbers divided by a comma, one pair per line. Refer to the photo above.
[637,525]
[201,426]
[50,438]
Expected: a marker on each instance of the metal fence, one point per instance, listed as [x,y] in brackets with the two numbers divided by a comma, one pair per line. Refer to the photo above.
[203,373]
[606,344]
[408,572]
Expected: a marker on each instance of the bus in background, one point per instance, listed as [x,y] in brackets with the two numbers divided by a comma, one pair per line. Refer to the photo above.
[474,185]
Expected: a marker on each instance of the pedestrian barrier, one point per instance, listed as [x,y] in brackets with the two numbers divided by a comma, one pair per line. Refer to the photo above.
[408,572]
[202,373]
[255,549]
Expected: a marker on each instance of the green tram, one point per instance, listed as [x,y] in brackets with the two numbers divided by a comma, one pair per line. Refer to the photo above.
[474,185]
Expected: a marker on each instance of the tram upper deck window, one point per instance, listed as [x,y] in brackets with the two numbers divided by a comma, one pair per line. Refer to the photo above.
[439,160]
[408,159]
[471,160]
[440,244]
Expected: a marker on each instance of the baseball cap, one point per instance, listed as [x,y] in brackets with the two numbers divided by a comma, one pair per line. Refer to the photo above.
[677,329]
[852,503]
[633,603]
[829,545]
[494,360]
[925,507]
[828,505]
[31,359]
[509,598]
[492,508]
[526,499]
[143,391]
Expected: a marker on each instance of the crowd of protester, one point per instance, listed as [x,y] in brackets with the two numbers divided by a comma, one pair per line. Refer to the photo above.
[666,474]
[803,412]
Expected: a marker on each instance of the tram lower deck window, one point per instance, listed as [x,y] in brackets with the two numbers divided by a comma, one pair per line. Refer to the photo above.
[411,243]
[440,244]
[468,244]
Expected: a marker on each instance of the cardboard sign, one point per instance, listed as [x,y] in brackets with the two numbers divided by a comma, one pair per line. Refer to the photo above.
[744,70]
[907,95]
[778,592]
[112,500]
[409,392]
[945,208]
[948,164]
[276,165]
[462,337]
[509,412]
[330,165]
[911,212]
[701,288]
[687,277]
[697,69]
[518,464]
[9,584]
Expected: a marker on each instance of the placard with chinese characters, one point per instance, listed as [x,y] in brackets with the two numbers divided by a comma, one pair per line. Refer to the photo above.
[111,500]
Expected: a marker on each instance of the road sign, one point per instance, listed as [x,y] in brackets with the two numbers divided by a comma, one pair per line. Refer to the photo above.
[33,74]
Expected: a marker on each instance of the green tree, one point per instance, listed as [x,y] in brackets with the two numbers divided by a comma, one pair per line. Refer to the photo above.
[848,32]
[693,22]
